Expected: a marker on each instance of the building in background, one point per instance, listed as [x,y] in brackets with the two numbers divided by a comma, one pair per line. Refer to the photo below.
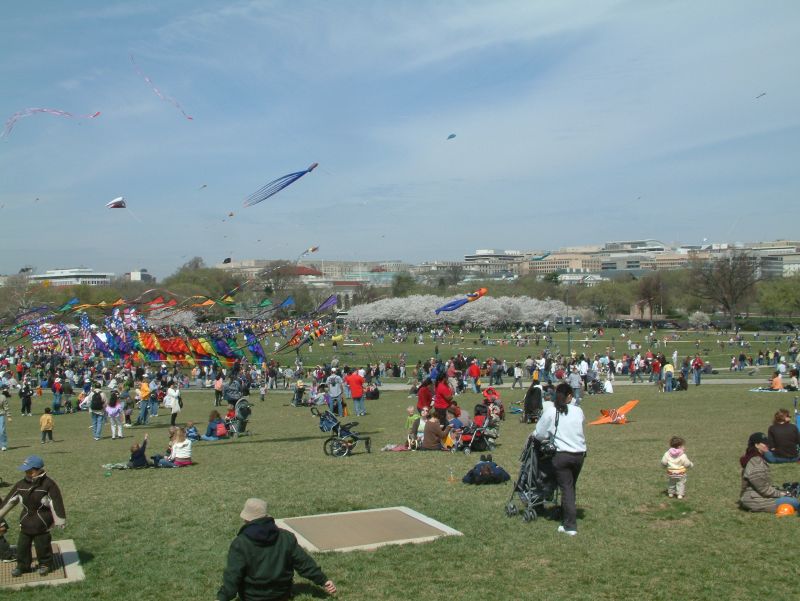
[80,276]
[139,276]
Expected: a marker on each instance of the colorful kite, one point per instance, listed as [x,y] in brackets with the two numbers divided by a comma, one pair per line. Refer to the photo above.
[32,111]
[451,136]
[149,81]
[117,203]
[615,416]
[276,186]
[460,302]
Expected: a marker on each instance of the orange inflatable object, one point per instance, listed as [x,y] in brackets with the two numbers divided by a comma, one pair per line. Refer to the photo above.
[615,416]
[784,509]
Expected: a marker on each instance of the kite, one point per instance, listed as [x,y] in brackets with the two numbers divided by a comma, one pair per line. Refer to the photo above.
[117,203]
[615,416]
[276,186]
[149,81]
[460,302]
[226,260]
[32,111]
[760,95]
[451,136]
[203,186]
[230,214]
[307,251]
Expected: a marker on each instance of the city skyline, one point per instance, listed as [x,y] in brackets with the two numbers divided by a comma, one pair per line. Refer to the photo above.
[574,124]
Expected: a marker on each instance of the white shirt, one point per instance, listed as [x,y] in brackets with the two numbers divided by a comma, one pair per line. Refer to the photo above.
[569,436]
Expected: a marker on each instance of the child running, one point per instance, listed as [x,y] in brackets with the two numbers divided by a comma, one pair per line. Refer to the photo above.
[676,462]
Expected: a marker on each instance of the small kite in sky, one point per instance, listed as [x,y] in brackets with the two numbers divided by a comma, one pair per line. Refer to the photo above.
[460,302]
[760,95]
[451,136]
[117,203]
[149,82]
[226,260]
[230,214]
[32,111]
[276,186]
[203,186]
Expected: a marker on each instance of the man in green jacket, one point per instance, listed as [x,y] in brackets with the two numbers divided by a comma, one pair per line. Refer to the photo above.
[262,560]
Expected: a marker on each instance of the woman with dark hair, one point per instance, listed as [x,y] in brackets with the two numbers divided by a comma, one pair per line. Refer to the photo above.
[783,439]
[758,494]
[562,424]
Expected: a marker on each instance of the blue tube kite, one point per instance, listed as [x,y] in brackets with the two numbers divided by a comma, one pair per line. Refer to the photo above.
[276,186]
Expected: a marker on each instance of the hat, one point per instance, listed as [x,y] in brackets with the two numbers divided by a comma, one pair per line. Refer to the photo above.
[756,438]
[32,462]
[254,509]
[301,384]
[333,369]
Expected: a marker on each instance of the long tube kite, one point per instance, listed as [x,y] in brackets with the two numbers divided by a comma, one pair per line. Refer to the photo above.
[158,92]
[276,186]
[12,120]
[460,302]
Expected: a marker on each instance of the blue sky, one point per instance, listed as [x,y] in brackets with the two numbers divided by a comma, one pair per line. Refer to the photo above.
[577,122]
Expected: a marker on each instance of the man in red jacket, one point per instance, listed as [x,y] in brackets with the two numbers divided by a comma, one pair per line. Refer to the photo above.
[355,381]
[474,373]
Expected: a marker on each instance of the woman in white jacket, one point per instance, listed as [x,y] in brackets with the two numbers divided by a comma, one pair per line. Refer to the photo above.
[172,400]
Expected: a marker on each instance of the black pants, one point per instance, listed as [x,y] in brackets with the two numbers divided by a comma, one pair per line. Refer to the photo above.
[568,468]
[44,552]
[26,405]
[47,434]
[173,418]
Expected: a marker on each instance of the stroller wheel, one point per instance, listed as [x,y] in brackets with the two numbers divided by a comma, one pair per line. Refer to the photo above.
[511,510]
[529,515]
[327,446]
[467,450]
[339,448]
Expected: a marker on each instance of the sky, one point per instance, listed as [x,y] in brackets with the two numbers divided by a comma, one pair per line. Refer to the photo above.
[576,123]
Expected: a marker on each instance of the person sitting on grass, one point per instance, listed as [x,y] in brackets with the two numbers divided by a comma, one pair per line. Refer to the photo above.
[180,454]
[191,431]
[417,429]
[757,493]
[262,560]
[216,427]
[138,454]
[793,384]
[434,435]
[783,439]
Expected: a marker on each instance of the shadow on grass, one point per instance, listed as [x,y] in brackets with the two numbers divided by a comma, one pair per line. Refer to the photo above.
[248,439]
[304,588]
[85,556]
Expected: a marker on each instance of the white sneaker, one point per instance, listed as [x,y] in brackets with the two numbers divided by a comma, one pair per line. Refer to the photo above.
[127,425]
[4,449]
[569,532]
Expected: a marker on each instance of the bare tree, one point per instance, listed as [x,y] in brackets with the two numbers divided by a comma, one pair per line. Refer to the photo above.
[649,291]
[729,282]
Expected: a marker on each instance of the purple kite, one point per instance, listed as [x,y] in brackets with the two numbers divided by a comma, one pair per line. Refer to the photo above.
[149,81]
[32,111]
[276,186]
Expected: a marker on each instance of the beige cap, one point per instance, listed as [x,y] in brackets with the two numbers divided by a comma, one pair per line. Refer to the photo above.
[254,509]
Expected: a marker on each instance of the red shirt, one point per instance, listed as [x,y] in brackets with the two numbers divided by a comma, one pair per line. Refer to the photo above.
[356,384]
[473,371]
[424,397]
[443,396]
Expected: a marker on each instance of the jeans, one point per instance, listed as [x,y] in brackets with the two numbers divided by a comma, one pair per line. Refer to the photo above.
[210,438]
[790,500]
[153,407]
[697,374]
[97,424]
[144,410]
[56,402]
[3,435]
[359,406]
[668,383]
[336,405]
[771,457]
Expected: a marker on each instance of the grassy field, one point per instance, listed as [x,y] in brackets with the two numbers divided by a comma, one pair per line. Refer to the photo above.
[164,534]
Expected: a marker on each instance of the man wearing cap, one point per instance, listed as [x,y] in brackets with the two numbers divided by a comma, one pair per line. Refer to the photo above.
[262,560]
[335,390]
[42,508]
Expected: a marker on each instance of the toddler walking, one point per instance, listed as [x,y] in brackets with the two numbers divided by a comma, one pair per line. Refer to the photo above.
[676,462]
[115,412]
[46,425]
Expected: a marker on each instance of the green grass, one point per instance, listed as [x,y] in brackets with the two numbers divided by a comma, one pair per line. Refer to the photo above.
[162,534]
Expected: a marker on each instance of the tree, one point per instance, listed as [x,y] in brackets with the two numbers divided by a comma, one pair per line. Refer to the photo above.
[729,282]
[402,284]
[454,274]
[552,278]
[649,291]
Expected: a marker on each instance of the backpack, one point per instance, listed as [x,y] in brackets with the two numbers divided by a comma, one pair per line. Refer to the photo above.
[221,430]
[96,402]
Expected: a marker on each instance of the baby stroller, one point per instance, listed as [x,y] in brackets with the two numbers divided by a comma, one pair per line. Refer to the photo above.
[479,436]
[493,400]
[342,439]
[237,425]
[532,405]
[535,485]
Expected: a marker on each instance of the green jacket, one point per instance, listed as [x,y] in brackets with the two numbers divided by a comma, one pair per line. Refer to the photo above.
[758,494]
[262,560]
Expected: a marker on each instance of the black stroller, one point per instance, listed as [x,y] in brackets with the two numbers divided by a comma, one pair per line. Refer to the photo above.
[237,425]
[535,485]
[343,439]
[532,405]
